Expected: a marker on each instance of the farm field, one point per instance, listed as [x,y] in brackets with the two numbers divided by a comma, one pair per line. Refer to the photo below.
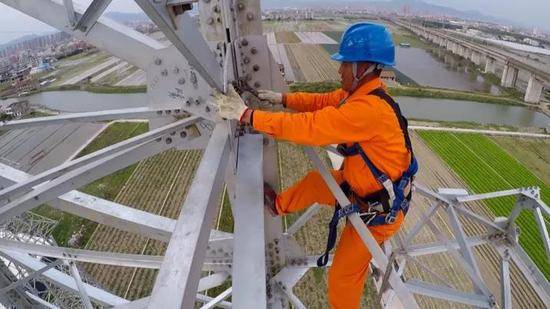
[304,25]
[315,38]
[485,167]
[532,153]
[158,185]
[286,37]
[313,62]
[106,187]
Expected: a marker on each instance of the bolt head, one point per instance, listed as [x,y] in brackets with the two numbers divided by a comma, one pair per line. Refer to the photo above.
[176,70]
[164,72]
[183,134]
[168,141]
[256,68]
[253,50]
[158,61]
[244,42]
[210,20]
[249,16]
[181,81]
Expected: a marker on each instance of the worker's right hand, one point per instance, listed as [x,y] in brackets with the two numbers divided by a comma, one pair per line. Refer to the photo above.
[270,96]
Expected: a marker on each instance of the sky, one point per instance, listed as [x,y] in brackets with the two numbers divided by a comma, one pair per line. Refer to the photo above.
[534,13]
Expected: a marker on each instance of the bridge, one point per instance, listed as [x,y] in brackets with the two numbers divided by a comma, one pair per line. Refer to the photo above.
[539,74]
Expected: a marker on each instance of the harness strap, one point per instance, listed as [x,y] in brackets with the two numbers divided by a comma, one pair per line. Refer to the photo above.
[395,191]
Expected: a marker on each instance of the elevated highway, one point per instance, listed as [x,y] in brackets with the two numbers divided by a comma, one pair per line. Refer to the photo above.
[488,56]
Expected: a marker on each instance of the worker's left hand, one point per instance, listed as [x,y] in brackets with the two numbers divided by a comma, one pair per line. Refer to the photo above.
[230,105]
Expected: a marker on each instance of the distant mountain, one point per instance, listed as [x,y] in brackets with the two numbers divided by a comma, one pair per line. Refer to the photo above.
[122,17]
[414,6]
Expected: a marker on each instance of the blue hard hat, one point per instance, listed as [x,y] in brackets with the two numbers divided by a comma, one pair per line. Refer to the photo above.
[366,42]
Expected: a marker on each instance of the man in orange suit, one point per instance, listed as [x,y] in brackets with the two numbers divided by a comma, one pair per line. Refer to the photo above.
[372,135]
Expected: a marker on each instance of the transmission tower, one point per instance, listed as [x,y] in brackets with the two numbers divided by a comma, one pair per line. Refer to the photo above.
[262,261]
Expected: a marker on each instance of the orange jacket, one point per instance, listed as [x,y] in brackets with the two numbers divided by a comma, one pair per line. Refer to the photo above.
[362,118]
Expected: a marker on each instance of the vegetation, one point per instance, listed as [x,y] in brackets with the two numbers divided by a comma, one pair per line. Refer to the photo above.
[313,62]
[424,92]
[106,187]
[413,92]
[98,88]
[486,167]
[287,37]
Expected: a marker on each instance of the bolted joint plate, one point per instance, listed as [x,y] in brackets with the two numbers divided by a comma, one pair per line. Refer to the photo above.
[255,63]
[172,82]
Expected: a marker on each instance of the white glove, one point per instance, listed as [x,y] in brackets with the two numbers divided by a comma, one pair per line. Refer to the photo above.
[230,106]
[270,96]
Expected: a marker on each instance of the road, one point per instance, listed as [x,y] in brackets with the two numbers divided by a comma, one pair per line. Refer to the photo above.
[107,63]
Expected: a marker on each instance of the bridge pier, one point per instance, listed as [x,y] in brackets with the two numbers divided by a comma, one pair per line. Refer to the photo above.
[509,76]
[490,65]
[475,57]
[534,90]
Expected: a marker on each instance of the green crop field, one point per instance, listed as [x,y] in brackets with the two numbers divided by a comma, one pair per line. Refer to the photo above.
[486,167]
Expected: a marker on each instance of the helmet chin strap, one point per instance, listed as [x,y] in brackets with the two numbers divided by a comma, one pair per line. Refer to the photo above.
[357,79]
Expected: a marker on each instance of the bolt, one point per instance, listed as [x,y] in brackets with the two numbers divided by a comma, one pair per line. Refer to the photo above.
[187,102]
[164,72]
[249,16]
[159,112]
[176,70]
[158,139]
[216,9]
[207,109]
[256,68]
[168,112]
[210,20]
[183,134]
[246,60]
[173,133]
[219,20]
[193,77]
[240,6]
[181,81]
[168,141]
[257,85]
[253,50]
[244,42]
[177,111]
[158,61]
[197,101]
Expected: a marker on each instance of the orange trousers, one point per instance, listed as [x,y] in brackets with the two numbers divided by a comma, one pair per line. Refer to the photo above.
[346,276]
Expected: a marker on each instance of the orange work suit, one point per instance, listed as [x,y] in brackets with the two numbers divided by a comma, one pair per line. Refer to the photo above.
[322,120]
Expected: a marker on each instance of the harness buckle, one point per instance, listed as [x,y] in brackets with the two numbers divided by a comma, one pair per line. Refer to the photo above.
[390,218]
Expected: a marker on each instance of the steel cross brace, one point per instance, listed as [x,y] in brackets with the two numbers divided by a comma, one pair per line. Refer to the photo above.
[177,281]
[378,255]
[100,155]
[115,114]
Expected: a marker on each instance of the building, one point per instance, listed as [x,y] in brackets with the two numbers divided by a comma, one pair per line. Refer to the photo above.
[15,108]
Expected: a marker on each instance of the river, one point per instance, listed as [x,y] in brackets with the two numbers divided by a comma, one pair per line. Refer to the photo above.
[440,69]
[417,108]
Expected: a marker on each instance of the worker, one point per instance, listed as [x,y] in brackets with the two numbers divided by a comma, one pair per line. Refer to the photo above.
[372,136]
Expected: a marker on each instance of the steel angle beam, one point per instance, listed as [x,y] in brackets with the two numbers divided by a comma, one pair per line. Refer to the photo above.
[529,269]
[438,247]
[303,219]
[40,301]
[81,176]
[484,196]
[543,230]
[506,289]
[177,281]
[63,280]
[30,277]
[172,129]
[69,8]
[93,12]
[187,38]
[378,255]
[218,299]
[84,297]
[129,113]
[119,40]
[249,266]
[88,256]
[445,293]
[113,214]
[286,279]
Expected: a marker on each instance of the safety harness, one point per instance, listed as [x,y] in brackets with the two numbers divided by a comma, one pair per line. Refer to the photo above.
[380,207]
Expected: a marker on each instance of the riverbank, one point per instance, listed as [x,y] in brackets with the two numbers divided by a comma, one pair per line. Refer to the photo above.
[419,92]
[96,88]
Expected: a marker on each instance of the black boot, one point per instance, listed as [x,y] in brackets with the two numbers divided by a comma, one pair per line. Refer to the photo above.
[269,199]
